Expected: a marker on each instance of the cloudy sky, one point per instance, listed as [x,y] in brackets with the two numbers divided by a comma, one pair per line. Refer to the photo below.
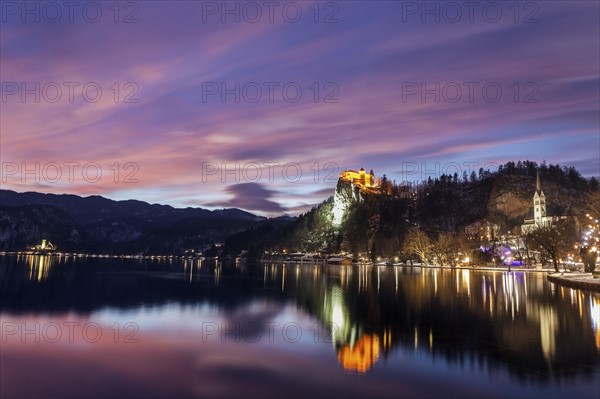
[261,105]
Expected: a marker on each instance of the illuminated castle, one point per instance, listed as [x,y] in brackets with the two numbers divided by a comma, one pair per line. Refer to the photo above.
[365,181]
[360,178]
[345,195]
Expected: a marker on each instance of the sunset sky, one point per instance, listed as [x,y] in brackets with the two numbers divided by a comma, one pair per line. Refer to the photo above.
[367,61]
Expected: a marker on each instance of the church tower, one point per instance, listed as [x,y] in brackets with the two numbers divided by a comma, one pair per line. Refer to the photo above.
[539,202]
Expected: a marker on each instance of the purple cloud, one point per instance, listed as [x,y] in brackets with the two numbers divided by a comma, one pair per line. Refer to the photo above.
[366,64]
[250,196]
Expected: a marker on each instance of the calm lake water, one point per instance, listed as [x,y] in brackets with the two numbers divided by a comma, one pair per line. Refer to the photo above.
[117,328]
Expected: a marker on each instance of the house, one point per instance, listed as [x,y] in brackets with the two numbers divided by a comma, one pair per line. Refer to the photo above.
[482,230]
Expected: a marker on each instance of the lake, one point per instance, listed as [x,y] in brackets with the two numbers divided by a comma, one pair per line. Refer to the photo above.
[88,327]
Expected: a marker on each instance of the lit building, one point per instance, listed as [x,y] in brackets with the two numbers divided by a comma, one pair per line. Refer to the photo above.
[482,230]
[45,246]
[537,216]
[360,178]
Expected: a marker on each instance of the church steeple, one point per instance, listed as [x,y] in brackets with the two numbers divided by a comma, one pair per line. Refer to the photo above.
[539,201]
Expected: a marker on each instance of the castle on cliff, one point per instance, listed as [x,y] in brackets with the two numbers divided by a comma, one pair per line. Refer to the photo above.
[360,179]
[360,183]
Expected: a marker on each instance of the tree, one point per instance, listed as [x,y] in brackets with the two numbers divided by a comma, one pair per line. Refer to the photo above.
[444,249]
[473,177]
[386,187]
[555,239]
[417,243]
[593,204]
[373,252]
[588,256]
[521,245]
[462,246]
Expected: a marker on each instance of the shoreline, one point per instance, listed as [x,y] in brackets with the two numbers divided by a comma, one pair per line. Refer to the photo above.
[573,279]
[582,281]
[482,268]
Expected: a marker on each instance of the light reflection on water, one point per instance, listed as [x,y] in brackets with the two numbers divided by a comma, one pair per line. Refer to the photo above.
[265,328]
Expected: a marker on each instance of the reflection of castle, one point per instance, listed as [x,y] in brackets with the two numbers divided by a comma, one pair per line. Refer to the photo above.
[357,349]
[362,356]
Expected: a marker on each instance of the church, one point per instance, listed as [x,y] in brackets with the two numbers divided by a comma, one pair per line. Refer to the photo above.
[537,216]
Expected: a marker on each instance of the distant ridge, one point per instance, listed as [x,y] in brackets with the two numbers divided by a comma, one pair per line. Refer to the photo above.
[101,224]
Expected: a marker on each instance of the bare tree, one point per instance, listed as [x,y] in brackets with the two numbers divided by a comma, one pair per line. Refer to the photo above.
[417,243]
[444,249]
[555,239]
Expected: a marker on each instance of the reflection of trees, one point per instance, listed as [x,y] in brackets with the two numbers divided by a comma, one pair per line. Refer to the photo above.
[515,321]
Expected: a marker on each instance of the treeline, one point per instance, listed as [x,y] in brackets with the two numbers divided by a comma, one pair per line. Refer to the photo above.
[568,177]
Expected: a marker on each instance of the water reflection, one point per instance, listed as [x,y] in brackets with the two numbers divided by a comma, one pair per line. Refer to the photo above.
[511,322]
[595,316]
[39,266]
[362,355]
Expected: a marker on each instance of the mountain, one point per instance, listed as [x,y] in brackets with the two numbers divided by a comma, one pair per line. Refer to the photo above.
[106,225]
[22,226]
[95,208]
[368,218]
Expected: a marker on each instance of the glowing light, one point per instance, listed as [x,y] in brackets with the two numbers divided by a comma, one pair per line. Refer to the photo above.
[416,338]
[595,313]
[362,356]
[430,339]
[595,316]
[548,328]
[338,211]
[338,316]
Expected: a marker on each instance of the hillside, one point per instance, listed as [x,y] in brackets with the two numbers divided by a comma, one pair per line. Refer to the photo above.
[376,219]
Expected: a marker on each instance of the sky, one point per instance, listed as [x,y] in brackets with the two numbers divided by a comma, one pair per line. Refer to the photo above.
[261,105]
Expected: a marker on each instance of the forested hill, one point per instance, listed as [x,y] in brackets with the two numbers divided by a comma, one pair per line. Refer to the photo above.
[444,204]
